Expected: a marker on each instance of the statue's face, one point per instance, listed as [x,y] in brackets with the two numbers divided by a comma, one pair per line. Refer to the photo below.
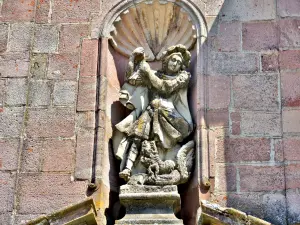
[174,64]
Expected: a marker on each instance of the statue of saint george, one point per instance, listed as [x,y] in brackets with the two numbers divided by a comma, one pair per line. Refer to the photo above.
[154,135]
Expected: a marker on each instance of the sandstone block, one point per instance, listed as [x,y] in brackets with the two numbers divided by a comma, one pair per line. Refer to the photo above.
[218,92]
[17,10]
[274,207]
[64,93]
[63,66]
[46,39]
[289,59]
[278,150]
[74,11]
[232,63]
[293,207]
[54,191]
[89,57]
[225,178]
[3,36]
[261,178]
[290,82]
[291,121]
[6,218]
[11,120]
[20,37]
[42,11]
[235,123]
[242,150]
[7,185]
[38,65]
[249,10]
[31,155]
[51,123]
[2,92]
[9,149]
[287,8]
[40,91]
[292,176]
[86,98]
[260,36]
[261,124]
[269,62]
[256,92]
[289,33]
[217,118]
[213,7]
[16,92]
[86,119]
[84,155]
[14,65]
[71,35]
[291,148]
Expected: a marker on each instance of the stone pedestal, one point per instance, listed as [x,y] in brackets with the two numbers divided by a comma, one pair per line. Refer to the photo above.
[150,204]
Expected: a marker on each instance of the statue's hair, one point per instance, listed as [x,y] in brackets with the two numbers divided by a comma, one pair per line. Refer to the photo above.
[179,50]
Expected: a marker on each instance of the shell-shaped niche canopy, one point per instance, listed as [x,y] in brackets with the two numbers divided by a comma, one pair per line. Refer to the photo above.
[154,25]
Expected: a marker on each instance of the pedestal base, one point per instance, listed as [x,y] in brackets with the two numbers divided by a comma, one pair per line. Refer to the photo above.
[150,204]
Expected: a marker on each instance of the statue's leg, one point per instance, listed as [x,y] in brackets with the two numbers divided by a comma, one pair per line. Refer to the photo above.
[132,155]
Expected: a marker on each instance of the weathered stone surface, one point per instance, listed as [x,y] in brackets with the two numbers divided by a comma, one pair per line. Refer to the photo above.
[46,39]
[9,149]
[235,123]
[260,36]
[87,119]
[64,93]
[44,193]
[20,37]
[86,93]
[293,207]
[84,155]
[51,155]
[23,219]
[290,82]
[288,8]
[217,118]
[6,218]
[291,121]
[16,92]
[274,207]
[17,10]
[270,62]
[51,123]
[63,66]
[38,65]
[7,186]
[218,92]
[71,35]
[42,11]
[3,36]
[289,33]
[249,10]
[232,63]
[260,123]
[242,150]
[2,92]
[11,122]
[74,11]
[261,178]
[291,148]
[292,176]
[225,178]
[256,92]
[289,59]
[213,7]
[40,91]
[278,150]
[89,57]
[14,65]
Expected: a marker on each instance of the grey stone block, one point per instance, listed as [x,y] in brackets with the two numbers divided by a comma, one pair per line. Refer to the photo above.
[16,92]
[64,93]
[46,39]
[275,208]
[11,122]
[38,65]
[20,37]
[40,92]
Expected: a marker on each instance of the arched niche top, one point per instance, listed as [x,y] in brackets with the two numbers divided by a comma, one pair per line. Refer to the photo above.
[156,32]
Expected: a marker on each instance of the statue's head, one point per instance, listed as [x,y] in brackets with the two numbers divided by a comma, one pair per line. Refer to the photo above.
[176,58]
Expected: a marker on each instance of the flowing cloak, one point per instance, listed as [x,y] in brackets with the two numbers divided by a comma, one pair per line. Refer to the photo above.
[170,119]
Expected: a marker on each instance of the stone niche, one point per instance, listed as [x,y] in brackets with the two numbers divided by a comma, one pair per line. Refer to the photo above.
[154,25]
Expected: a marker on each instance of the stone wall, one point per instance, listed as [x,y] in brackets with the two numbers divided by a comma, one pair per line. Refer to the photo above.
[48,80]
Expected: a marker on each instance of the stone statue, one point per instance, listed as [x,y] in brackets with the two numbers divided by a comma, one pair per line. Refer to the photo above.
[152,141]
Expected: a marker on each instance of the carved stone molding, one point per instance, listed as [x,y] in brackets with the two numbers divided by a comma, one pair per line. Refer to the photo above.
[154,25]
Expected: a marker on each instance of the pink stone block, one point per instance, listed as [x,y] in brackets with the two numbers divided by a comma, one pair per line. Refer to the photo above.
[13,10]
[89,57]
[86,99]
[225,178]
[218,92]
[260,36]
[287,8]
[217,118]
[292,176]
[290,83]
[269,62]
[289,59]
[289,33]
[42,11]
[261,178]
[291,148]
[9,149]
[291,121]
